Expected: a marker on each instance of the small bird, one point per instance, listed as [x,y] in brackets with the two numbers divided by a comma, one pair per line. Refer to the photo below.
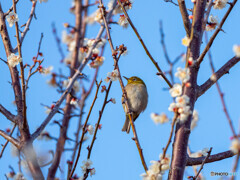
[138,98]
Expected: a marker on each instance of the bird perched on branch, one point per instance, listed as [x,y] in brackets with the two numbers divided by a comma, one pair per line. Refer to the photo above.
[138,98]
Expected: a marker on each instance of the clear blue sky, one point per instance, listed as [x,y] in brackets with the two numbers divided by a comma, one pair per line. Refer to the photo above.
[115,155]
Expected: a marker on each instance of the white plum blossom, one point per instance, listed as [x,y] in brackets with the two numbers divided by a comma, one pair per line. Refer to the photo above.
[220,4]
[123,21]
[76,85]
[74,102]
[12,18]
[96,62]
[67,38]
[117,10]
[113,76]
[159,119]
[176,90]
[19,176]
[14,60]
[186,41]
[173,107]
[212,24]
[113,100]
[90,129]
[235,145]
[184,113]
[183,74]
[236,50]
[182,100]
[213,77]
[195,119]
[203,152]
[86,165]
[47,70]
[92,171]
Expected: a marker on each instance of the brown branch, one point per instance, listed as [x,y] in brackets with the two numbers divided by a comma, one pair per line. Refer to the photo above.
[169,139]
[184,13]
[24,107]
[182,132]
[204,161]
[71,82]
[58,41]
[84,129]
[235,166]
[97,126]
[221,93]
[10,9]
[14,141]
[26,29]
[30,73]
[6,143]
[209,44]
[160,72]
[217,75]
[212,158]
[135,138]
[7,114]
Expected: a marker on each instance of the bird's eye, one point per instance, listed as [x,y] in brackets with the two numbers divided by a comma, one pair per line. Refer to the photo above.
[134,79]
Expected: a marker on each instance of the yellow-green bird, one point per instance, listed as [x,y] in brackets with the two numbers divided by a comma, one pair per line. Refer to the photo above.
[138,99]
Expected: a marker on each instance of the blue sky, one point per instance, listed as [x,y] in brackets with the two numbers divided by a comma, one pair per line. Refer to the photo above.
[114,153]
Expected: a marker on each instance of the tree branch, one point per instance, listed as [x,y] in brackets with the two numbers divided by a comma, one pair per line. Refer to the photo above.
[211,81]
[212,158]
[160,72]
[184,13]
[7,114]
[209,44]
[14,141]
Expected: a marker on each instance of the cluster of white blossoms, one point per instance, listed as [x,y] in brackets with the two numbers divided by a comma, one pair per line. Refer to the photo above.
[13,60]
[90,129]
[95,17]
[182,101]
[18,176]
[154,172]
[220,4]
[212,24]
[235,145]
[12,18]
[112,76]
[76,85]
[195,119]
[117,10]
[87,166]
[236,50]
[159,118]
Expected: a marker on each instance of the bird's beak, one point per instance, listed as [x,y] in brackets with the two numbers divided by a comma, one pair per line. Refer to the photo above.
[126,78]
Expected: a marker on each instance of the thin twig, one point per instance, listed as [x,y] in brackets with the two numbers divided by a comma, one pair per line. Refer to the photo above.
[14,141]
[160,72]
[209,153]
[30,73]
[210,42]
[169,139]
[221,94]
[7,113]
[6,143]
[24,108]
[58,41]
[97,126]
[84,129]
[122,86]
[217,75]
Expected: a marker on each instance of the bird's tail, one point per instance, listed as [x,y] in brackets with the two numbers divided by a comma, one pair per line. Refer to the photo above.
[127,125]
